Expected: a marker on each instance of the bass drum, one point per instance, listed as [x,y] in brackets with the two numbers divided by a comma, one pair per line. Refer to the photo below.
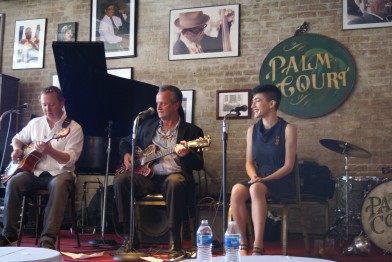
[358,187]
[376,215]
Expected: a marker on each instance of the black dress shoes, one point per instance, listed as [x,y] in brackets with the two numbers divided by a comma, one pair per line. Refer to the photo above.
[47,244]
[7,241]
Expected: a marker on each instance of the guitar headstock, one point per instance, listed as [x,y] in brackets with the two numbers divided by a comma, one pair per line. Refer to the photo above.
[63,133]
[200,143]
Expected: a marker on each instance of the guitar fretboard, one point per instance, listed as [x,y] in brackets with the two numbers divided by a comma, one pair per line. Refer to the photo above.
[157,155]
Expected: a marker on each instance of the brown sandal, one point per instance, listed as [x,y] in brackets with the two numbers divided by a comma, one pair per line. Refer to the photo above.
[257,251]
[244,247]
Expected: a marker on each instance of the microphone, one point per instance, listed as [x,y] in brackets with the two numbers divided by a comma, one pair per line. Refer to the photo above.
[237,109]
[146,113]
[20,108]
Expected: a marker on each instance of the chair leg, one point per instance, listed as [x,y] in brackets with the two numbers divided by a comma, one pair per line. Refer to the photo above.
[304,232]
[74,220]
[138,225]
[39,218]
[285,212]
[22,221]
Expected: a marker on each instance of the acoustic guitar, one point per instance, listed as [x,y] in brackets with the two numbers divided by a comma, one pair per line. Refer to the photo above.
[144,159]
[29,158]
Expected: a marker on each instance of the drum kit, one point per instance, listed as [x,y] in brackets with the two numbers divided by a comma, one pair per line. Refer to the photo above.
[366,201]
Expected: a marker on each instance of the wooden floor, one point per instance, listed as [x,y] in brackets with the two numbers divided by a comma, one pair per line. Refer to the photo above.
[295,248]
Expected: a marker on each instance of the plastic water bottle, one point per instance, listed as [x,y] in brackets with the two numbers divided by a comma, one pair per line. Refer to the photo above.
[232,243]
[204,242]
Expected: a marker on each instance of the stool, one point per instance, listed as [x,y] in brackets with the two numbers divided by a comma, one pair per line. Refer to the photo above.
[156,200]
[40,207]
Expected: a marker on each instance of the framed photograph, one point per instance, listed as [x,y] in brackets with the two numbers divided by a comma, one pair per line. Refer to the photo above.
[113,22]
[187,104]
[125,72]
[228,100]
[2,22]
[204,32]
[67,32]
[29,44]
[366,14]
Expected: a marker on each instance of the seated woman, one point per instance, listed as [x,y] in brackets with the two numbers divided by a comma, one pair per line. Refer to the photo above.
[271,145]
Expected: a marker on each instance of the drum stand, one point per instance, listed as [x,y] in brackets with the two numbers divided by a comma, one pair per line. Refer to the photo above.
[344,218]
[347,150]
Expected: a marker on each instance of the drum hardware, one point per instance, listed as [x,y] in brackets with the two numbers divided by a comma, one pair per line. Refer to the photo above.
[360,246]
[347,150]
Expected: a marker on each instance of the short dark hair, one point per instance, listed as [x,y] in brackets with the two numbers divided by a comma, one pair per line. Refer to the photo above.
[54,89]
[271,92]
[176,93]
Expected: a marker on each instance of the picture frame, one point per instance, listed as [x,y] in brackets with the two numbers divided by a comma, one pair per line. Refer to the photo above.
[2,22]
[121,41]
[67,32]
[356,17]
[221,32]
[125,72]
[227,100]
[187,104]
[29,44]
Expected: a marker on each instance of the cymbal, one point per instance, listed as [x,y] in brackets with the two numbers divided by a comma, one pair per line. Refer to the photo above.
[345,148]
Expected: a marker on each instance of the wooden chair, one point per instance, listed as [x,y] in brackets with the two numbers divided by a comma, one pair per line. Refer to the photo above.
[283,206]
[39,204]
[157,200]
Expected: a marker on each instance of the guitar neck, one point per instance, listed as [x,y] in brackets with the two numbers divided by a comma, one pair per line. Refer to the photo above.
[159,154]
[30,148]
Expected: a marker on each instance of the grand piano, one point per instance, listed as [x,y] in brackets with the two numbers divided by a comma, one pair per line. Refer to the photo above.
[98,101]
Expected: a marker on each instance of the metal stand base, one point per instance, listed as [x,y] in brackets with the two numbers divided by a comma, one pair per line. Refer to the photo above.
[130,256]
[102,242]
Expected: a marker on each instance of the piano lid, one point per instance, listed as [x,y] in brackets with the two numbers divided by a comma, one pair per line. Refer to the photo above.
[94,97]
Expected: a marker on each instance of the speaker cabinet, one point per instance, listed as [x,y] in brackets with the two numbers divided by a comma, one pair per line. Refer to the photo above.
[154,225]
[9,98]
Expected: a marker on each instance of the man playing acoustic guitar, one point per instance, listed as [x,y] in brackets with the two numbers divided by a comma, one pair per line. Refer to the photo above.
[172,174]
[48,164]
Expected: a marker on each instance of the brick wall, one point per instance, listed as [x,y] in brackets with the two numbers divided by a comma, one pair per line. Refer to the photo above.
[364,119]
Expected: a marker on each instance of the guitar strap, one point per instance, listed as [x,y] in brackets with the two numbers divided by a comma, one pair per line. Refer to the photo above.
[66,122]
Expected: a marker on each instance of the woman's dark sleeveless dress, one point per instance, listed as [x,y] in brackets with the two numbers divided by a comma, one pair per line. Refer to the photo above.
[268,151]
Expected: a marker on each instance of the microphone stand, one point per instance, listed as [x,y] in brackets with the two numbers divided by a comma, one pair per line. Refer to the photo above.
[224,169]
[131,256]
[102,241]
[8,131]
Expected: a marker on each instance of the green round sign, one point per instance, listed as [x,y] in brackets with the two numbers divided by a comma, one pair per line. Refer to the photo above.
[315,74]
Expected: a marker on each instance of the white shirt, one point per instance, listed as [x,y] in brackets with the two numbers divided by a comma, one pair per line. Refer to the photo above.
[38,129]
[106,30]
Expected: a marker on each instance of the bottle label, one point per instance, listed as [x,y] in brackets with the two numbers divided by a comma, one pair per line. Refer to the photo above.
[204,239]
[232,241]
